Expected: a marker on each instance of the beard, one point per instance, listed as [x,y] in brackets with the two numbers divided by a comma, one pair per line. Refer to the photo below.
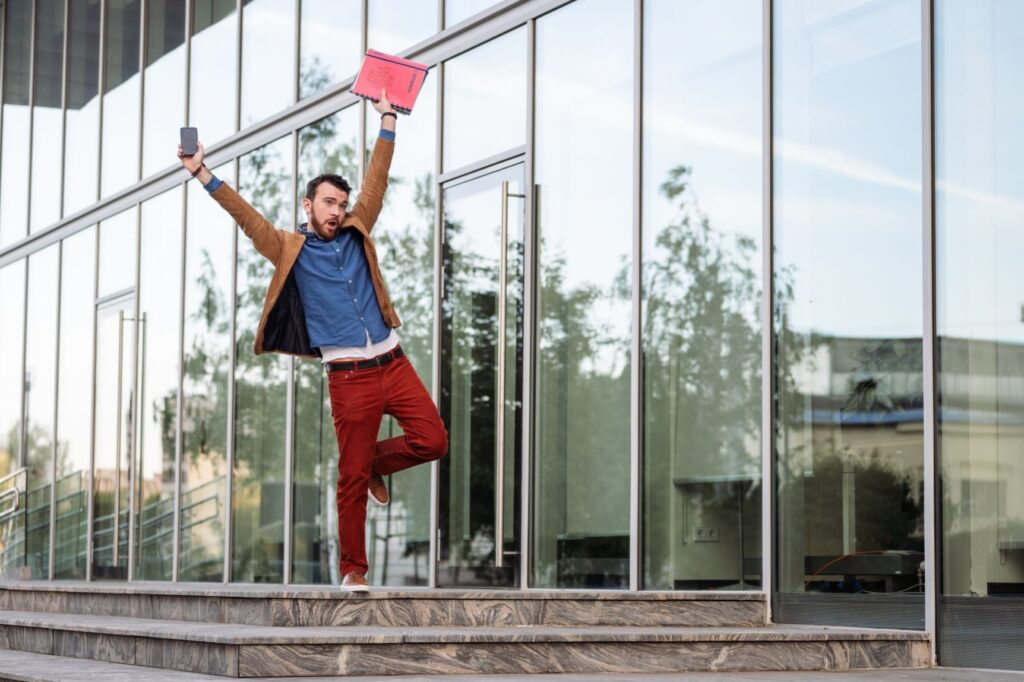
[324,228]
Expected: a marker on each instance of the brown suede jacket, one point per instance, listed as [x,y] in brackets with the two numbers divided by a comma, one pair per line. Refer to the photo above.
[282,327]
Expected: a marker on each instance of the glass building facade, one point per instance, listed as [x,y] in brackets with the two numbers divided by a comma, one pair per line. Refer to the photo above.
[710,296]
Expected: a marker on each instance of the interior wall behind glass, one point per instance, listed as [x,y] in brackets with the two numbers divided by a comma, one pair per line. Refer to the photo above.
[268,58]
[159,295]
[329,44]
[213,93]
[979,214]
[209,266]
[265,180]
[16,120]
[583,165]
[702,294]
[74,403]
[12,315]
[164,96]
[491,78]
[121,116]
[404,236]
[848,292]
[82,117]
[47,118]
[40,394]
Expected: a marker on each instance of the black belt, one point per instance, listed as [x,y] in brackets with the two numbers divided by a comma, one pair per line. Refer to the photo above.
[378,361]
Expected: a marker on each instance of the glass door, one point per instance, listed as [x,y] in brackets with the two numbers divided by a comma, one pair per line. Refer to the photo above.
[115,381]
[481,377]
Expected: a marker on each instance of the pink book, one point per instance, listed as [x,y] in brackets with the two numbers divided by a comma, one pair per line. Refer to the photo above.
[402,78]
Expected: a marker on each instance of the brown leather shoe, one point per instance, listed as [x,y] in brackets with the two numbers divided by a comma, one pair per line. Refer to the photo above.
[378,490]
[354,582]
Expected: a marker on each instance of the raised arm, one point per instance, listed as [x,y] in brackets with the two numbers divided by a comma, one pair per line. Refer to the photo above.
[267,239]
[371,194]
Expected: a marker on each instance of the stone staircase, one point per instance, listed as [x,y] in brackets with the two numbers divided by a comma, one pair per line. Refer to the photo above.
[256,631]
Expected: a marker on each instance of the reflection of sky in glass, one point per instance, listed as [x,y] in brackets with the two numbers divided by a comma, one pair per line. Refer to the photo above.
[268,58]
[164,110]
[14,186]
[40,349]
[81,145]
[212,90]
[457,10]
[159,273]
[12,312]
[394,25]
[117,253]
[485,95]
[77,286]
[979,176]
[848,165]
[120,158]
[46,149]
[331,34]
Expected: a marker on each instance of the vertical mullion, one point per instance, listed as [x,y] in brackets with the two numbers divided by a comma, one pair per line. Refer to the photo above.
[232,360]
[56,388]
[361,141]
[60,276]
[179,438]
[529,315]
[434,549]
[238,67]
[135,456]
[636,351]
[143,40]
[768,531]
[297,63]
[101,87]
[31,113]
[64,104]
[289,424]
[932,529]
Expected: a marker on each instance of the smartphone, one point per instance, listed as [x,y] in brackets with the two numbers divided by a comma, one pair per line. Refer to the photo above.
[189,141]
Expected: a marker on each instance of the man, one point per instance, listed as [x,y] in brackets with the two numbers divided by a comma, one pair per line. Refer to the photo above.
[327,299]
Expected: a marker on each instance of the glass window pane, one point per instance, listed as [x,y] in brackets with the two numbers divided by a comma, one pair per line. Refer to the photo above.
[492,79]
[213,92]
[121,97]
[849,316]
[980,358]
[268,75]
[159,331]
[208,268]
[47,130]
[74,400]
[82,118]
[331,37]
[12,316]
[328,146]
[164,106]
[14,151]
[457,10]
[702,326]
[40,384]
[581,478]
[117,253]
[396,25]
[265,180]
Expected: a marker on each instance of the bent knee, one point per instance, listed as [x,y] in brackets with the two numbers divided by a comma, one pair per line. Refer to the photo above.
[435,445]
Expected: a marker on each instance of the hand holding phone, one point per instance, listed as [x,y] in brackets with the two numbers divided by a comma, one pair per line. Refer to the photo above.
[189,141]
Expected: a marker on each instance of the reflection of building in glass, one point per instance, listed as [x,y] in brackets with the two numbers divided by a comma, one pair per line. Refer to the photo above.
[666,360]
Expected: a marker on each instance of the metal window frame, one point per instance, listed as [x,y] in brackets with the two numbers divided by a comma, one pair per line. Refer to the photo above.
[636,430]
[932,512]
[289,421]
[434,548]
[768,378]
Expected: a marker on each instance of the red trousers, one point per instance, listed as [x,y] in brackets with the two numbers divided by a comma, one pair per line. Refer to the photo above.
[359,400]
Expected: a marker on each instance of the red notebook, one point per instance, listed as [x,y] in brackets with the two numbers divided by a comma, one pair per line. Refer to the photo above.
[401,78]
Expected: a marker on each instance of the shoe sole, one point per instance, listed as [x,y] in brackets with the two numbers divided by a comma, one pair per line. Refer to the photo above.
[355,588]
[378,502]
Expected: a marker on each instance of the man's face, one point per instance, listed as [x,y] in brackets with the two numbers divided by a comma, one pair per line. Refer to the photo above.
[326,210]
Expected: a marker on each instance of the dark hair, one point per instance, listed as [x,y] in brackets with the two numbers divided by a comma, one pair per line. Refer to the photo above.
[331,179]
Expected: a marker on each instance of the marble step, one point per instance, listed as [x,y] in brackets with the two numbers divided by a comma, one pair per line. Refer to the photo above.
[313,606]
[234,650]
